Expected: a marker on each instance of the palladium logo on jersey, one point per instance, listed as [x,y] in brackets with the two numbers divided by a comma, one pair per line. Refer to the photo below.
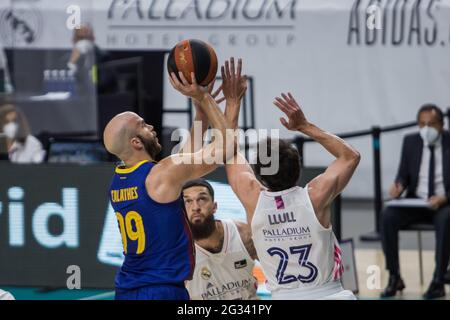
[289,233]
[228,290]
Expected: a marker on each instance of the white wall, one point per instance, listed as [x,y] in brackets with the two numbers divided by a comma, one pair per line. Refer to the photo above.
[342,87]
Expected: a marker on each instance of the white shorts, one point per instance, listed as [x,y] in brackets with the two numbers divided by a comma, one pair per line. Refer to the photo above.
[329,291]
[341,295]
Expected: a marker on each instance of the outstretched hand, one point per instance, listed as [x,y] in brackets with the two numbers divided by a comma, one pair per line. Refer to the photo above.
[296,117]
[199,112]
[216,92]
[193,90]
[234,84]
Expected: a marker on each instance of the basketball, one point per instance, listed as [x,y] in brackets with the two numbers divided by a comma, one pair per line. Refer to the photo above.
[193,56]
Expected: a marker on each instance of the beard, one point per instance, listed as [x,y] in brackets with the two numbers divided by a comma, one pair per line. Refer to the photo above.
[203,230]
[151,146]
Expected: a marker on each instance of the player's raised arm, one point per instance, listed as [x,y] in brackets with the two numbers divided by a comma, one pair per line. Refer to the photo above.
[194,141]
[244,183]
[239,173]
[234,86]
[172,172]
[246,236]
[325,187]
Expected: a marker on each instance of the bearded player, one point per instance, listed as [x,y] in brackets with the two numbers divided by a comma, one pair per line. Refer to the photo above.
[158,249]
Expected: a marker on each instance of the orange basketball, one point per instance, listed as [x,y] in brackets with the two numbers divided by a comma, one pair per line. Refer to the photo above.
[193,56]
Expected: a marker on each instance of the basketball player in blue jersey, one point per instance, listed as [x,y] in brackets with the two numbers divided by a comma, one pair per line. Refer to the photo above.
[158,248]
[225,251]
[291,226]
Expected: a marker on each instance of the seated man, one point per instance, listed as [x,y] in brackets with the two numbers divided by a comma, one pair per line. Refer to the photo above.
[424,172]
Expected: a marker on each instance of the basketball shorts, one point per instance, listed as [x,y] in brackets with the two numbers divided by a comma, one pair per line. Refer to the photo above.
[154,292]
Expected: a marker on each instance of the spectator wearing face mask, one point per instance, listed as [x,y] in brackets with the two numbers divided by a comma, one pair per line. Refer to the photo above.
[424,172]
[21,145]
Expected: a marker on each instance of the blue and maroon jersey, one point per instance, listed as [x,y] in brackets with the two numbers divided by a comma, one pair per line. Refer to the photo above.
[156,238]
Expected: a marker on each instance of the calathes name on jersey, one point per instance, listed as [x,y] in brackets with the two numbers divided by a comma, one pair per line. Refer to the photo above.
[230,288]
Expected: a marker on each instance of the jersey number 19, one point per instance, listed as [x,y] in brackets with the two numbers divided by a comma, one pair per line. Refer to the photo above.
[128,233]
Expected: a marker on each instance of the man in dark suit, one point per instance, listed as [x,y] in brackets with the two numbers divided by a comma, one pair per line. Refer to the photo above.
[424,172]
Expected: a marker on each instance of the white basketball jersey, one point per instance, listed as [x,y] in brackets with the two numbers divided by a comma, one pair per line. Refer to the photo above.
[295,251]
[227,275]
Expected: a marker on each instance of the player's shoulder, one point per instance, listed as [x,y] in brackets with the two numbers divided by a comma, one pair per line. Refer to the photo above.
[162,167]
[240,224]
[322,182]
[245,232]
[251,179]
[159,176]
[158,168]
[160,183]
[243,228]
[318,187]
[249,185]
[411,137]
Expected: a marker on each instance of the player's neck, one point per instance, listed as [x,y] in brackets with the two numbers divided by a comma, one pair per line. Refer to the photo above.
[214,242]
[133,160]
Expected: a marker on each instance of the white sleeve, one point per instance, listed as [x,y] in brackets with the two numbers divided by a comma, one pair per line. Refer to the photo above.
[35,150]
[38,156]
[5,295]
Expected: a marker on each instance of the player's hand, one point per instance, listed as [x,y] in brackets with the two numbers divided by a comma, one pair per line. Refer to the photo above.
[437,201]
[296,118]
[193,90]
[234,84]
[199,112]
[396,190]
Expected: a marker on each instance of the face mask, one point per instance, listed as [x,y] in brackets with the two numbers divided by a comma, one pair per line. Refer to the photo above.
[429,134]
[10,129]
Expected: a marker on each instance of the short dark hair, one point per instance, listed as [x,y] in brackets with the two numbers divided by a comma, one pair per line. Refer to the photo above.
[289,170]
[431,107]
[200,183]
